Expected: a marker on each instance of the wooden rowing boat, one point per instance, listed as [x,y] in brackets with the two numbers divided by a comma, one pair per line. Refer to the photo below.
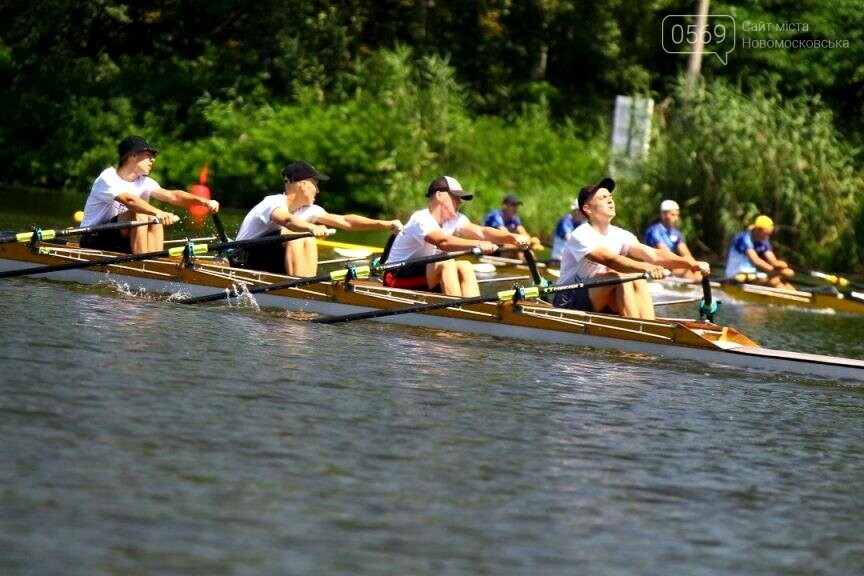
[828,298]
[537,321]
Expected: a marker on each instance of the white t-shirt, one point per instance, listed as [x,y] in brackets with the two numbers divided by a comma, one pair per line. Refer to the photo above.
[257,222]
[411,242]
[101,205]
[575,267]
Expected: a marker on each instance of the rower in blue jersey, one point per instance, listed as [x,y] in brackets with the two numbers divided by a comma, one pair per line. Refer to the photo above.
[664,236]
[564,228]
[751,253]
[507,219]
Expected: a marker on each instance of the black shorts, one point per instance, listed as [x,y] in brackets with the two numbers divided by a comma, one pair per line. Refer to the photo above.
[265,257]
[111,240]
[576,299]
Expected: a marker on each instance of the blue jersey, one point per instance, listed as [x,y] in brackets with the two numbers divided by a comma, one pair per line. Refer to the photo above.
[496,219]
[738,261]
[657,233]
[566,225]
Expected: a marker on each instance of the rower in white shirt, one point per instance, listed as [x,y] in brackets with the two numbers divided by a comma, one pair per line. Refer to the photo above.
[442,228]
[598,249]
[295,209]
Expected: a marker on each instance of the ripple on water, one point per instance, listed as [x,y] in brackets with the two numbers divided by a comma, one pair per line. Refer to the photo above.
[144,436]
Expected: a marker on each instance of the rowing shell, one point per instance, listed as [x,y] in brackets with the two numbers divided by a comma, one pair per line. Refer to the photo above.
[536,321]
[841,302]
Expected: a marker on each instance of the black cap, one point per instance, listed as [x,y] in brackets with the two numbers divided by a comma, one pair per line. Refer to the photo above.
[448,184]
[588,191]
[297,171]
[512,200]
[132,144]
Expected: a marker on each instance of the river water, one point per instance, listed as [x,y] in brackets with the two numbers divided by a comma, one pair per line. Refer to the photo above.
[145,437]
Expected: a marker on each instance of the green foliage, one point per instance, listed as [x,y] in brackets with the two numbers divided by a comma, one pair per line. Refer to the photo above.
[728,157]
[382,146]
[509,96]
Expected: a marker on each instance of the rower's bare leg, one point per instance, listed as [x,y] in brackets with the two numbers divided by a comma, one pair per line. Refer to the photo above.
[643,300]
[139,237]
[602,298]
[467,279]
[627,301]
[155,236]
[301,257]
[446,274]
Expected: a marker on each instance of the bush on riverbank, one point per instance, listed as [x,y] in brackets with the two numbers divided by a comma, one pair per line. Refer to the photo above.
[729,156]
[383,145]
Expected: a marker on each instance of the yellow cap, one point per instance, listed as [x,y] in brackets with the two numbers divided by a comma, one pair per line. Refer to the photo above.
[763,222]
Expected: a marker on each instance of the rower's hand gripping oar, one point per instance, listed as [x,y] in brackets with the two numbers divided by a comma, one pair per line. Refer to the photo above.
[37,234]
[343,274]
[504,296]
[187,250]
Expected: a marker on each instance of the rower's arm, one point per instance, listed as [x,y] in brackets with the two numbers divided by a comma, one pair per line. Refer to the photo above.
[355,223]
[283,217]
[758,262]
[665,258]
[619,262]
[449,243]
[183,199]
[140,206]
[774,261]
[494,235]
[684,251]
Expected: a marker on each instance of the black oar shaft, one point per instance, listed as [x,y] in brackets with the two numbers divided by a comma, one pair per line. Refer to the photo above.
[507,295]
[364,271]
[176,251]
[532,267]
[51,234]
[220,229]
[610,281]
[407,310]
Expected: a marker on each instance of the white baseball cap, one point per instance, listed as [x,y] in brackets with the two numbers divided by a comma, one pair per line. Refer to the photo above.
[668,205]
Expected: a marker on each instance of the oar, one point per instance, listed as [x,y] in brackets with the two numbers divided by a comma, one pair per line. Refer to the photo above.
[51,234]
[347,245]
[335,276]
[833,279]
[190,249]
[532,267]
[220,229]
[504,296]
[707,306]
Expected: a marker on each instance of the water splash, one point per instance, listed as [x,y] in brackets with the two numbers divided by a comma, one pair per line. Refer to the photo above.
[244,298]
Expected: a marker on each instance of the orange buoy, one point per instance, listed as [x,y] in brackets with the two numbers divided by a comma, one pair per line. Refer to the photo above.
[201,189]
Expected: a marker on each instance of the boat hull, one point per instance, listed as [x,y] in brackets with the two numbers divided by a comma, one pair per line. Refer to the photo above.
[702,343]
[848,303]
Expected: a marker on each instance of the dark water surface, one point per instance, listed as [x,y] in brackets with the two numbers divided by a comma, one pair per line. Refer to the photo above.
[144,437]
